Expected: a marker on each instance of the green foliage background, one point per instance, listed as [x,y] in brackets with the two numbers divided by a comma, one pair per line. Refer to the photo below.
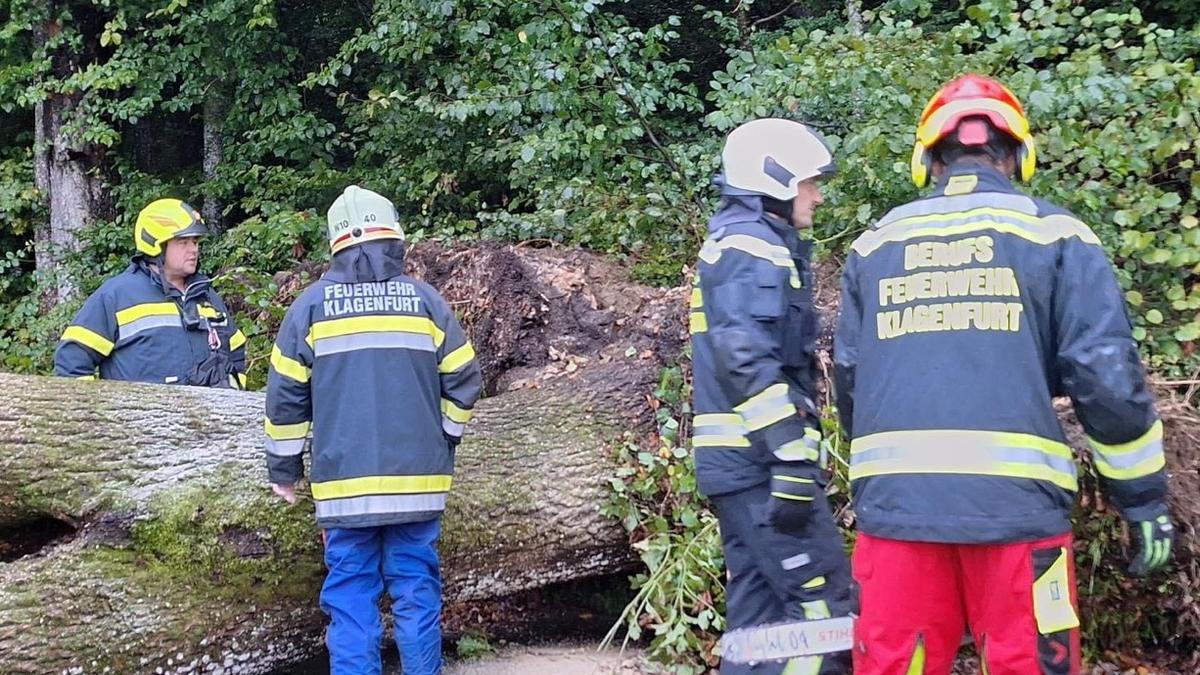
[595,123]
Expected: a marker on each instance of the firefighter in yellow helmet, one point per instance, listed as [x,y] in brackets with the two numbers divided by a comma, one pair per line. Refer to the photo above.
[160,320]
[963,314]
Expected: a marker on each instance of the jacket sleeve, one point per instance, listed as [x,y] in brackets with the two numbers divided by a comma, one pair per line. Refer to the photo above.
[237,348]
[289,398]
[88,341]
[845,344]
[745,296]
[1100,369]
[458,371]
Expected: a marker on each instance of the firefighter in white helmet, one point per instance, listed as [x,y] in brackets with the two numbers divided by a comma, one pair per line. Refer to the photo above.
[374,365]
[757,441]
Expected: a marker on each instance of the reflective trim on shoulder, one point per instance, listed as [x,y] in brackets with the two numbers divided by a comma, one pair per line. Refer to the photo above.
[455,413]
[358,325]
[940,205]
[456,359]
[719,430]
[380,505]
[131,314]
[237,340]
[958,451]
[380,485]
[146,323]
[766,407]
[1135,459]
[289,367]
[88,338]
[1044,231]
[282,432]
[773,253]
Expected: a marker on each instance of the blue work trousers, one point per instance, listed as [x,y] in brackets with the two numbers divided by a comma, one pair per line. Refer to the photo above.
[361,562]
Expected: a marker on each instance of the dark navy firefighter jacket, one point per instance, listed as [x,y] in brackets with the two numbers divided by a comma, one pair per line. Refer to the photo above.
[139,328]
[376,366]
[963,315]
[753,329]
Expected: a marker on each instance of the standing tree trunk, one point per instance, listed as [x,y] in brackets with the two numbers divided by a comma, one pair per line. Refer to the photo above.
[215,107]
[69,172]
[854,17]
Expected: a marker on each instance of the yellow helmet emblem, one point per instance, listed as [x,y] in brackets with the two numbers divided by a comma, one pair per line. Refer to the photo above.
[164,220]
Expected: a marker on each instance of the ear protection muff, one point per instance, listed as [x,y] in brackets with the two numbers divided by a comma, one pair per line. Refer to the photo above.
[921,165]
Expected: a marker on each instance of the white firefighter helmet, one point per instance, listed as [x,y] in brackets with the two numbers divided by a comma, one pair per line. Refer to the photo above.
[359,215]
[770,156]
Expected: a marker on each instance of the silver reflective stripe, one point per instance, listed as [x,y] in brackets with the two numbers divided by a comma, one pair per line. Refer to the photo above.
[795,561]
[973,456]
[1129,460]
[451,427]
[383,340]
[937,205]
[799,450]
[286,448]
[772,408]
[720,430]
[147,322]
[380,504]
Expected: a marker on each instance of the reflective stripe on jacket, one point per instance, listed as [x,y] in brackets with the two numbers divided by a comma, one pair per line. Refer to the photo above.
[382,376]
[963,315]
[136,328]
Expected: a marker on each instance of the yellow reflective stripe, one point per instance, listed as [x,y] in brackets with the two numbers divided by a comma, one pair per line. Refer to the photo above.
[1139,470]
[455,413]
[1153,435]
[88,338]
[955,439]
[376,324]
[241,378]
[288,367]
[1052,608]
[457,359]
[697,322]
[286,432]
[87,377]
[208,312]
[966,465]
[237,340]
[697,300]
[766,407]
[803,665]
[380,485]
[713,419]
[131,314]
[793,479]
[772,253]
[955,451]
[815,582]
[1049,230]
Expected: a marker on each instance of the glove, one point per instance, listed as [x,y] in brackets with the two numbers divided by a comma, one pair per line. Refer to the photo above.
[1151,541]
[794,487]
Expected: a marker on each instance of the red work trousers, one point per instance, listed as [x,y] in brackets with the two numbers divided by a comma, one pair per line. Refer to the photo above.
[918,598]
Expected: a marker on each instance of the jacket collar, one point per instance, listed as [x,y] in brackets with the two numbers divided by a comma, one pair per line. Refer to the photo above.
[197,284]
[967,177]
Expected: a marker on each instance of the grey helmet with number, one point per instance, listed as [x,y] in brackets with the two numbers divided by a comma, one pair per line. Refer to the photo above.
[769,156]
[359,215]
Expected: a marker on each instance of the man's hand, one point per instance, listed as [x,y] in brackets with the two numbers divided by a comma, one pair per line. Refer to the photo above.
[286,492]
[794,486]
[1151,543]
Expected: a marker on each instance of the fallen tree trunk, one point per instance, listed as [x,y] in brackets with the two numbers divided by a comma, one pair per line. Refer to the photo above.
[185,562]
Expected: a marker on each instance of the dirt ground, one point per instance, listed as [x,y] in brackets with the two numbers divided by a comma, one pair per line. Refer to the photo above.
[569,659]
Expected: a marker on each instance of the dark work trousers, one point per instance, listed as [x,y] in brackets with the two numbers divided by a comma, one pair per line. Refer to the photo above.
[776,577]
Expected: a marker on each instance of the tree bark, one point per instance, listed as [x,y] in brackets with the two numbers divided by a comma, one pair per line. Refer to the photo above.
[184,561]
[69,172]
[215,107]
[854,17]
